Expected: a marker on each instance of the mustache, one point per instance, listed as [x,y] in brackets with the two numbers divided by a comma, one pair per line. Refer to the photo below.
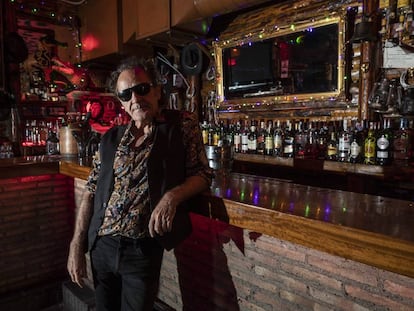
[138,105]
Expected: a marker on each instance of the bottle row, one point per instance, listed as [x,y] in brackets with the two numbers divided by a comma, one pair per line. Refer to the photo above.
[378,143]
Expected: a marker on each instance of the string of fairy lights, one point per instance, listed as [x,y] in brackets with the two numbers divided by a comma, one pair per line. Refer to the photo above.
[55,14]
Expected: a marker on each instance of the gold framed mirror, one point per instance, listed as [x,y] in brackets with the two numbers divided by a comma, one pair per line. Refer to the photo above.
[291,63]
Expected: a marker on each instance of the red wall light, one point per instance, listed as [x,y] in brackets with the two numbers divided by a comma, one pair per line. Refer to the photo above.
[89,42]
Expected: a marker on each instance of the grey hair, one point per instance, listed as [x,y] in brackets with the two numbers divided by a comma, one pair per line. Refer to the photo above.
[133,62]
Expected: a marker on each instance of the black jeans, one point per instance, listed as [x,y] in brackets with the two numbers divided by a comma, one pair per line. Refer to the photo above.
[126,273]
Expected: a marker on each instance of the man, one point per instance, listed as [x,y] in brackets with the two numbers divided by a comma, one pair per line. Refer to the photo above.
[133,205]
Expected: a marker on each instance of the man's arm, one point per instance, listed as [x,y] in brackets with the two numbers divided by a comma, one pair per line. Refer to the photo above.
[76,264]
[162,217]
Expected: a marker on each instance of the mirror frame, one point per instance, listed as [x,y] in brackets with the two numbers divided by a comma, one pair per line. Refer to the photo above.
[219,46]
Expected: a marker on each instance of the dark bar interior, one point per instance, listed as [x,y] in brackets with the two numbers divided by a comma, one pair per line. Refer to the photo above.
[306,111]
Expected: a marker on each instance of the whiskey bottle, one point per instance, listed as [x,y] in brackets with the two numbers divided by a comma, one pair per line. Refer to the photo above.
[402,144]
[332,147]
[369,145]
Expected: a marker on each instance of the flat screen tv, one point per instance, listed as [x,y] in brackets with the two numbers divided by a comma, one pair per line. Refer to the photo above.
[248,69]
[299,63]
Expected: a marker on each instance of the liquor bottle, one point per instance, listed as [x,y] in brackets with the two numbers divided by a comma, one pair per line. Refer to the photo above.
[402,144]
[229,133]
[252,138]
[52,144]
[277,140]
[384,144]
[269,147]
[311,145]
[322,141]
[237,138]
[204,132]
[28,134]
[261,133]
[300,141]
[216,135]
[357,141]
[332,147]
[210,135]
[369,145]
[244,138]
[288,141]
[344,143]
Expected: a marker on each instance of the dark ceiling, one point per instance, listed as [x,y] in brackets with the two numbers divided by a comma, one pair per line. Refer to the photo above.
[52,11]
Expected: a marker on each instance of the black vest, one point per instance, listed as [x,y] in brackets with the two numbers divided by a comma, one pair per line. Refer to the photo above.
[165,169]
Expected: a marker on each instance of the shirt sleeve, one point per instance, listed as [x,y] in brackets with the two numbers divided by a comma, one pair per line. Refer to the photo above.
[196,159]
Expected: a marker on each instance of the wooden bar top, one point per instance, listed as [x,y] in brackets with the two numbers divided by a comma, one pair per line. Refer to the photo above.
[374,230]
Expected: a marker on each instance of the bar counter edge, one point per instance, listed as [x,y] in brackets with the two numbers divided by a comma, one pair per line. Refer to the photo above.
[378,250]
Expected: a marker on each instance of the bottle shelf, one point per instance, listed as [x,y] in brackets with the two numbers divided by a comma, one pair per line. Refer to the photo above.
[343,168]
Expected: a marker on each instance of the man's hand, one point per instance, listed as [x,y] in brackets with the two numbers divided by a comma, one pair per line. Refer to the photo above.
[162,216]
[77,264]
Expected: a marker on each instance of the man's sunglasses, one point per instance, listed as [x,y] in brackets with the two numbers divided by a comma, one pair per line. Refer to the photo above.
[141,89]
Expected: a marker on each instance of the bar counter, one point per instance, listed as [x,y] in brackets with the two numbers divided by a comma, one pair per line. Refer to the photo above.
[369,229]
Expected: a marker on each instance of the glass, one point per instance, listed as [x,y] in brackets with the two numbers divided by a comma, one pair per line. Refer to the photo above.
[379,95]
[393,99]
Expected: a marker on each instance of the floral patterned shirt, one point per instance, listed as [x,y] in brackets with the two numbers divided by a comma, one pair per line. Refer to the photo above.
[128,210]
